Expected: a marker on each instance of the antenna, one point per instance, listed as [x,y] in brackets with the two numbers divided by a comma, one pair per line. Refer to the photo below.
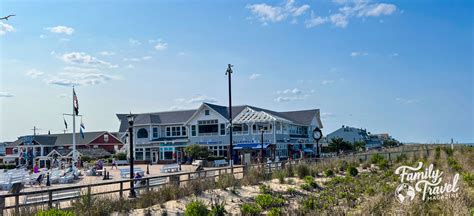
[34,129]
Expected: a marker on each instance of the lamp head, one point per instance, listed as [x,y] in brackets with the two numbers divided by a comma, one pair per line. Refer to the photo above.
[130,119]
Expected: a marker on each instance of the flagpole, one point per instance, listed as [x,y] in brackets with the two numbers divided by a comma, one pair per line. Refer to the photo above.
[74,159]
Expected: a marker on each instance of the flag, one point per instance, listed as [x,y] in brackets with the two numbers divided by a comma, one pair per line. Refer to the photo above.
[75,102]
[65,123]
[81,129]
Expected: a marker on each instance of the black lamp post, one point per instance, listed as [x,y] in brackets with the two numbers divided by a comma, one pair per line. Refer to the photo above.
[317,135]
[130,119]
[228,72]
[261,140]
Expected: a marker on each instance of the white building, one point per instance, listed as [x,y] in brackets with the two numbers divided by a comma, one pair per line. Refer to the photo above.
[162,136]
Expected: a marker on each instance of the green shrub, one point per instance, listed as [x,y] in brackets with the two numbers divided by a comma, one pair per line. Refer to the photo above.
[290,181]
[248,209]
[289,171]
[352,171]
[306,186]
[343,166]
[55,212]
[454,164]
[376,158]
[254,176]
[302,170]
[218,207]
[196,208]
[401,157]
[280,175]
[121,156]
[226,180]
[264,189]
[328,173]
[448,151]
[275,212]
[437,152]
[468,178]
[310,181]
[383,164]
[291,191]
[266,200]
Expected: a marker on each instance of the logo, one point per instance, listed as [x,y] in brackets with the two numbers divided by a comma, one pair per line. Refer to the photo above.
[428,183]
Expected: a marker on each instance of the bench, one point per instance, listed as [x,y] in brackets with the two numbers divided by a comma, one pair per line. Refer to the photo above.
[219,163]
[121,162]
[169,168]
[56,196]
[125,172]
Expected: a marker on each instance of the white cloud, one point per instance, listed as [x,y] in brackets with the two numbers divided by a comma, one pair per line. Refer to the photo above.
[254,76]
[376,10]
[106,53]
[197,99]
[290,98]
[64,39]
[80,76]
[33,73]
[315,21]
[132,59]
[134,42]
[339,20]
[146,57]
[161,46]
[6,94]
[326,115]
[4,28]
[177,108]
[80,58]
[290,91]
[42,36]
[182,53]
[394,54]
[268,13]
[61,30]
[357,54]
[406,101]
[327,82]
[130,66]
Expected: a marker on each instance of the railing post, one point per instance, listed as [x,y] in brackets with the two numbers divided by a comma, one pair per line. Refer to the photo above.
[17,204]
[89,196]
[147,184]
[50,199]
[121,190]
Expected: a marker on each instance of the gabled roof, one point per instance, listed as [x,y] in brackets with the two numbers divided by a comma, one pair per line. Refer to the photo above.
[60,139]
[168,117]
[301,117]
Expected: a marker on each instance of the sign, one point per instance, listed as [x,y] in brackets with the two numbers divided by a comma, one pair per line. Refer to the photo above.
[428,183]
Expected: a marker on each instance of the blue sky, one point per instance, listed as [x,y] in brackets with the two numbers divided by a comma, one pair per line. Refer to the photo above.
[403,67]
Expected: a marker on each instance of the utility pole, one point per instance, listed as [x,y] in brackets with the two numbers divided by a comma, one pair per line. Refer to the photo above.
[231,158]
[34,130]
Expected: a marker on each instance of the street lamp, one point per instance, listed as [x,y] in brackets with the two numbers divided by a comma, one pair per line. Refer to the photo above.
[130,119]
[228,72]
[317,135]
[261,140]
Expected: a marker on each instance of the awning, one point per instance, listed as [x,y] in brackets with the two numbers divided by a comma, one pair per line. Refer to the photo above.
[251,146]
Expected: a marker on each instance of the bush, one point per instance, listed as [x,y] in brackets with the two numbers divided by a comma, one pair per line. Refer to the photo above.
[218,207]
[226,180]
[196,208]
[291,191]
[264,189]
[343,166]
[352,171]
[254,176]
[280,175]
[248,209]
[275,212]
[383,164]
[55,212]
[7,166]
[266,200]
[121,156]
[306,186]
[328,173]
[376,158]
[448,151]
[468,178]
[302,170]
[310,181]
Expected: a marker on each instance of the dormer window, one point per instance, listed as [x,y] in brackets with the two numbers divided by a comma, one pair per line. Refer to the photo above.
[106,138]
[206,112]
[142,133]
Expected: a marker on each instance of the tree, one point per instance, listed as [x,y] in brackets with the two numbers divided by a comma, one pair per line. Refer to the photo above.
[338,144]
[359,145]
[196,151]
[390,143]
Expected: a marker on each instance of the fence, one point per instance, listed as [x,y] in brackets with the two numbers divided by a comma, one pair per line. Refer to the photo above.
[6,202]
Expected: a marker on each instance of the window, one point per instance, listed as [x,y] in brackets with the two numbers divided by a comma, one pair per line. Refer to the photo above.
[155,132]
[175,131]
[208,127]
[142,133]
[206,112]
[106,138]
[222,129]
[193,130]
